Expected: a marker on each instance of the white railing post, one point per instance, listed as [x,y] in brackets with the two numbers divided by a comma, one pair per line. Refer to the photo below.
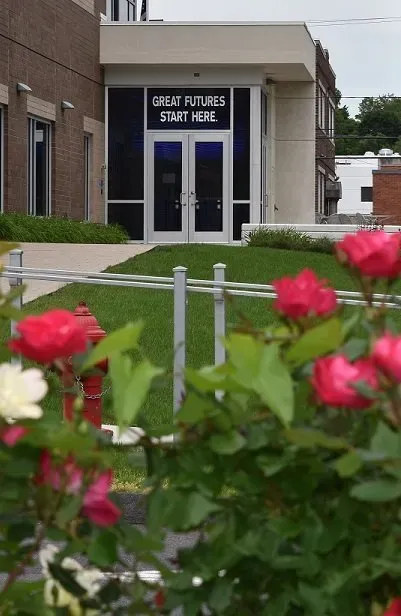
[16,261]
[180,315]
[219,316]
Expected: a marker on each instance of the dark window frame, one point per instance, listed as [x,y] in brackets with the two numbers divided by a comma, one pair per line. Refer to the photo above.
[87,175]
[32,208]
[126,183]
[241,137]
[366,194]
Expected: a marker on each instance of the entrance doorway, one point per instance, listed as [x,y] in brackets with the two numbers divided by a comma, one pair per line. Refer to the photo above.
[188,188]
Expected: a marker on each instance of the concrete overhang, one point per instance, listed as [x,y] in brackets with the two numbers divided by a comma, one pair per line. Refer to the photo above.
[284,51]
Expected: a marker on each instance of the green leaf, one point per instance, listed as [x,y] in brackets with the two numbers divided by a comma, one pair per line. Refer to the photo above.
[66,579]
[20,530]
[198,509]
[110,593]
[316,342]
[221,594]
[349,464]
[130,387]
[69,511]
[380,491]
[271,465]
[103,549]
[228,443]
[259,368]
[122,340]
[314,438]
[356,348]
[386,441]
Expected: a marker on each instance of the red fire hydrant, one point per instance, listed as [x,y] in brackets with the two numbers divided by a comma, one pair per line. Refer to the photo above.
[92,385]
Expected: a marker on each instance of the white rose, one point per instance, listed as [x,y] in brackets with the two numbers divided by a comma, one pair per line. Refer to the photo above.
[56,596]
[20,391]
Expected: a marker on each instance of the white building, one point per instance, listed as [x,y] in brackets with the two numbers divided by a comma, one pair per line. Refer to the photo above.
[356,176]
[208,126]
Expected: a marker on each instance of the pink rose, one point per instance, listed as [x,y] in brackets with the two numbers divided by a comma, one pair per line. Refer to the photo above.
[394,609]
[66,477]
[304,296]
[56,334]
[11,435]
[333,378]
[387,356]
[374,253]
[97,507]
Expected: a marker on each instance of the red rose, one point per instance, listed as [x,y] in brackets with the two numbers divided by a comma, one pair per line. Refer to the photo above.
[333,378]
[394,609]
[11,435]
[387,356]
[304,296]
[374,253]
[97,507]
[160,599]
[53,335]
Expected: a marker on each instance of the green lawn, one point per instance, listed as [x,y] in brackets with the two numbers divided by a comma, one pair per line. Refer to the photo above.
[115,306]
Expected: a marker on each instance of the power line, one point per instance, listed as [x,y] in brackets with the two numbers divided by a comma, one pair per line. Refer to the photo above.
[353,22]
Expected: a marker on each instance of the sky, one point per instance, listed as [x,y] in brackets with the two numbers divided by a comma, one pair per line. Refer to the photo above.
[365,57]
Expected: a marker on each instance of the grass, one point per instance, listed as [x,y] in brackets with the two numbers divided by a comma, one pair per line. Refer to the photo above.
[113,307]
[22,228]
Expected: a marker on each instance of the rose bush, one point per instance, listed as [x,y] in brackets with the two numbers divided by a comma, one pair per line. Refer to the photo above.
[289,480]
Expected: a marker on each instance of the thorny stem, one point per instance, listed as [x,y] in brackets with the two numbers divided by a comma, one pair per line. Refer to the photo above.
[20,567]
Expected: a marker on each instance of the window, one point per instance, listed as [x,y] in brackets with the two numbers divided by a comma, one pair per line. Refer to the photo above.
[242,144]
[39,167]
[367,194]
[322,102]
[321,193]
[264,113]
[126,144]
[88,174]
[332,119]
[122,10]
[1,159]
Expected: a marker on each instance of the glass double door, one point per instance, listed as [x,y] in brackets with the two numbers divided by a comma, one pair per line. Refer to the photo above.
[188,188]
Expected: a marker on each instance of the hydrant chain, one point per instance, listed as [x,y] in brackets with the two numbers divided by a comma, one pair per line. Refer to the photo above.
[88,397]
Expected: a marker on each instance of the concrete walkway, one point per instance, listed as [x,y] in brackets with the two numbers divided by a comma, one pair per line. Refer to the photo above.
[78,257]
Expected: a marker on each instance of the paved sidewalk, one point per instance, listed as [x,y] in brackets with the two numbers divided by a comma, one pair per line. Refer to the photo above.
[79,257]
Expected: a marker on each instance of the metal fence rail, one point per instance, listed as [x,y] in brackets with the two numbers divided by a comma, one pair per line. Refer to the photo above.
[181,286]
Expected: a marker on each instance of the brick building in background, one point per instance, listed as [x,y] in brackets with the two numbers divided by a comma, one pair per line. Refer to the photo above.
[51,108]
[387,190]
[327,192]
[52,118]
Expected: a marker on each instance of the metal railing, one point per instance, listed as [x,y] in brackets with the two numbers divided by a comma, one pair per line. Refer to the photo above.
[181,286]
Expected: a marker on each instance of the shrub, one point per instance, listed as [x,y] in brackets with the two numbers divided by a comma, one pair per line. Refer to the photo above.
[289,478]
[22,228]
[289,239]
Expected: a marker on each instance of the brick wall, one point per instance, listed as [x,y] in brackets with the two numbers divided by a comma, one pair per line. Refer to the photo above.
[52,46]
[325,148]
[387,193]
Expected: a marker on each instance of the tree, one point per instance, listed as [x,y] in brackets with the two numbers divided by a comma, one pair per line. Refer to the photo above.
[377,125]
[345,125]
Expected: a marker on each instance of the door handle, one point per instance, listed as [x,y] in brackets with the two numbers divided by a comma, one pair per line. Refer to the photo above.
[194,200]
[219,204]
[183,200]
